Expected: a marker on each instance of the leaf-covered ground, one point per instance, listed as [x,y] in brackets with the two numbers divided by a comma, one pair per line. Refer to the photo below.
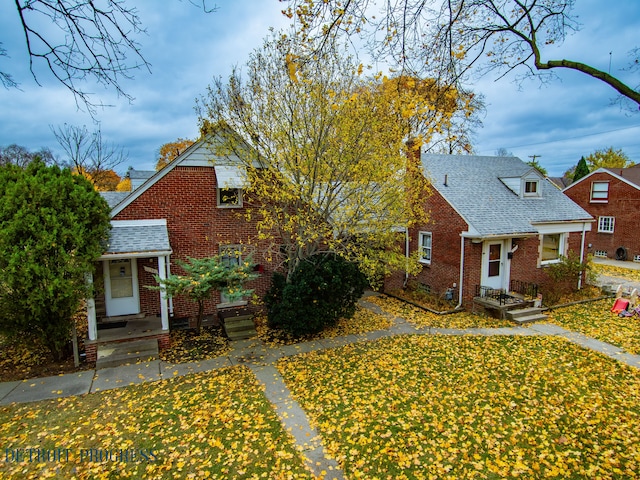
[424,318]
[210,425]
[596,320]
[615,271]
[363,321]
[445,407]
[189,346]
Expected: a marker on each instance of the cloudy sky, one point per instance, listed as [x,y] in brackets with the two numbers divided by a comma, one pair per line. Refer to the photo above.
[187,48]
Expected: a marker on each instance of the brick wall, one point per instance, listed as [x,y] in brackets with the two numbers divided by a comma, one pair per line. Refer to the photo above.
[186,198]
[623,204]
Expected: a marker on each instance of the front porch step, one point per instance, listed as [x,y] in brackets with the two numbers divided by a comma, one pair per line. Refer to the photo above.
[238,323]
[121,353]
[526,315]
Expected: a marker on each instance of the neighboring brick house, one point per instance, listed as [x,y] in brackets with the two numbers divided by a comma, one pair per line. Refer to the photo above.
[612,197]
[191,208]
[493,221]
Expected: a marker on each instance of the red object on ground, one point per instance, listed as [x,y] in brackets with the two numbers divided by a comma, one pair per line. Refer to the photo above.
[619,305]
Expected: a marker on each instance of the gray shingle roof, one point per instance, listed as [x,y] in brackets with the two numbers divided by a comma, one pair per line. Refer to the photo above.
[475,190]
[114,198]
[128,238]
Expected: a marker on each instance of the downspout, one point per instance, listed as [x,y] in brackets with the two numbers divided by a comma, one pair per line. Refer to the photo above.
[461,272]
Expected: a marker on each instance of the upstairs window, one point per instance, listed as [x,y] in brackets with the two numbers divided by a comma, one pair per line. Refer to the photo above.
[600,192]
[424,243]
[229,197]
[606,224]
[230,180]
[531,188]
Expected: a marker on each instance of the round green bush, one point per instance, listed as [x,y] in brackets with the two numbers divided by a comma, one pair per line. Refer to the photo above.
[323,289]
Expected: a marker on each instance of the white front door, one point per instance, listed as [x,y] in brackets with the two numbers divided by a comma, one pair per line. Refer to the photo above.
[121,287]
[495,268]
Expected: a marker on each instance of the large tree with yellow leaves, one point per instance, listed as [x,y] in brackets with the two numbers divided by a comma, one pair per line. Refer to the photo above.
[324,148]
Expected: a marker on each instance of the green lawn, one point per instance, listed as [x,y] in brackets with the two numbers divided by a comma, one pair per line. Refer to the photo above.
[596,320]
[213,425]
[471,407]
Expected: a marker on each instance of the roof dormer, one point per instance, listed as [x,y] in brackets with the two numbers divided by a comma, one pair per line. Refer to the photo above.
[528,185]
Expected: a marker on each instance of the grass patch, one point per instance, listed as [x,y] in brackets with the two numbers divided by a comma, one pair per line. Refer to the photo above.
[471,407]
[596,320]
[424,318]
[363,321]
[210,425]
[615,271]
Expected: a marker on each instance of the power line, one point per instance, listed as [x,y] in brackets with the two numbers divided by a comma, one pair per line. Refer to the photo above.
[572,138]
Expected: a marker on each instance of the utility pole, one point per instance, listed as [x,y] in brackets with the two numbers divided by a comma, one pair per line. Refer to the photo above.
[533,157]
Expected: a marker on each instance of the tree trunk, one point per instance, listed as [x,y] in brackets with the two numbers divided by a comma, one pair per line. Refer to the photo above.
[200,315]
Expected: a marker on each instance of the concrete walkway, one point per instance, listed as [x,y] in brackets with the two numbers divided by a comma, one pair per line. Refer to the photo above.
[261,360]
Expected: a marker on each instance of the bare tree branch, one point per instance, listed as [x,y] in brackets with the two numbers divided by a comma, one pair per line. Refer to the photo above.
[87,154]
[449,39]
[91,40]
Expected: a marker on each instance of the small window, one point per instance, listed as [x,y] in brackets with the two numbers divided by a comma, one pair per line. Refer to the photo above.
[229,197]
[424,240]
[531,188]
[600,192]
[230,255]
[552,247]
[636,258]
[606,224]
[600,253]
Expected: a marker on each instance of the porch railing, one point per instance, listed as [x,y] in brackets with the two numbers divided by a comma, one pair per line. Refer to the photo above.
[497,294]
[526,289]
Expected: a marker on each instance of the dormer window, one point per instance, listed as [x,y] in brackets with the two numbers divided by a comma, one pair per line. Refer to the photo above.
[531,188]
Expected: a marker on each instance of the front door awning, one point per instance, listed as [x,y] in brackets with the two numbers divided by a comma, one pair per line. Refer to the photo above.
[137,238]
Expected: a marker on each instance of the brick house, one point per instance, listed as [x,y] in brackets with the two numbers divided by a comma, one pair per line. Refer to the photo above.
[612,197]
[191,208]
[494,222]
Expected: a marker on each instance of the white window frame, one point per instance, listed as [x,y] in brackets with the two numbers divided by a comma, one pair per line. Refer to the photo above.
[562,240]
[606,224]
[599,194]
[222,204]
[535,192]
[426,252]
